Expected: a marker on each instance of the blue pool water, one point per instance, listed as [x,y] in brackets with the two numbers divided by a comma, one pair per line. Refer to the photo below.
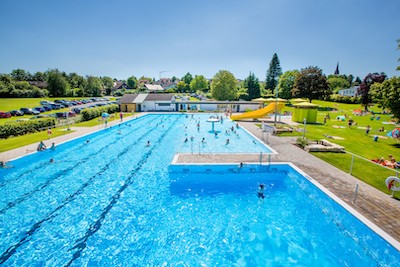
[115,202]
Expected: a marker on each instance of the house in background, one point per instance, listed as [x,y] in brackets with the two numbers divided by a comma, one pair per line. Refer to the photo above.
[352,91]
[166,83]
[147,102]
[154,88]
[119,85]
[39,84]
[167,102]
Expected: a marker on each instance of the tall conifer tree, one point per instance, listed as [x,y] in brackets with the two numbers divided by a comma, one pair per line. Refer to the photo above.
[273,73]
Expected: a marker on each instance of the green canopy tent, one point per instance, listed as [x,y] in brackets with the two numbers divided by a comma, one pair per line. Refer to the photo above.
[305,110]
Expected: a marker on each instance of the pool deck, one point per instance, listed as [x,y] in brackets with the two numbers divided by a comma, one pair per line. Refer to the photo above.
[378,207]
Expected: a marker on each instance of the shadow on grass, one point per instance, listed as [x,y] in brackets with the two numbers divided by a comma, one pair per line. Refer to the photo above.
[396,145]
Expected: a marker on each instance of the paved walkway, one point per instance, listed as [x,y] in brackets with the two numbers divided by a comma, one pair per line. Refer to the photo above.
[378,207]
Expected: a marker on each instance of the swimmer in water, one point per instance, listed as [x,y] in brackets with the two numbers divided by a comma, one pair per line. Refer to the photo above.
[148,143]
[260,192]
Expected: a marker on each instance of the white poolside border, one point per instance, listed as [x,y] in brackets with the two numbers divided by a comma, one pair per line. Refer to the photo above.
[351,210]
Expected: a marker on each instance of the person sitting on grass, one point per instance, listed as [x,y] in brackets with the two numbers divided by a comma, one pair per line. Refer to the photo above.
[392,163]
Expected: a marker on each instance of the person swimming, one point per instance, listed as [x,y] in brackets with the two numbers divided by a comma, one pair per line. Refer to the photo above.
[186,140]
[260,192]
[227,141]
[3,164]
[203,140]
[148,143]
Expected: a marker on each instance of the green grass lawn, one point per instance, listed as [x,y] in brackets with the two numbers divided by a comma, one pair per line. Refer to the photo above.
[19,141]
[97,121]
[355,140]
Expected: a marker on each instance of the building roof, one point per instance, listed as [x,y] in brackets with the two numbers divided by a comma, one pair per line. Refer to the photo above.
[127,99]
[119,85]
[159,97]
[140,98]
[38,84]
[154,87]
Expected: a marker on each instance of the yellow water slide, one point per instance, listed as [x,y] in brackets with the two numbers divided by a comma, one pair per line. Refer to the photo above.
[259,113]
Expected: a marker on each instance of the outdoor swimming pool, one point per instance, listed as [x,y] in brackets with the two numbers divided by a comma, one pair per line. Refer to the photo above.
[113,201]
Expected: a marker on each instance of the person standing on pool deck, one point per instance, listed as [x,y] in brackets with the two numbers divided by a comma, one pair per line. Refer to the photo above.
[121,116]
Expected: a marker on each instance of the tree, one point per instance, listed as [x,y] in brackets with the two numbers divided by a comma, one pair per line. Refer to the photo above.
[387,94]
[337,83]
[357,81]
[132,82]
[39,76]
[181,87]
[273,73]
[93,87]
[252,87]
[21,75]
[108,82]
[311,83]
[76,81]
[223,86]
[187,78]
[57,85]
[199,83]
[363,90]
[286,83]
[398,48]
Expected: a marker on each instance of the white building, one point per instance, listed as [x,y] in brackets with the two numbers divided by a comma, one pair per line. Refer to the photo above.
[352,91]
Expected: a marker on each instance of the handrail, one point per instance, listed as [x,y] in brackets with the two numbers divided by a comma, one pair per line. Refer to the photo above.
[358,156]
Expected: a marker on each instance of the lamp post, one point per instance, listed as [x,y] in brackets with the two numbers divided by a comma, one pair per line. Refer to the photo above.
[276,104]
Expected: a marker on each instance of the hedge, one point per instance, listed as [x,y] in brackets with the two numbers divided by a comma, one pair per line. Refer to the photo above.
[24,127]
[91,113]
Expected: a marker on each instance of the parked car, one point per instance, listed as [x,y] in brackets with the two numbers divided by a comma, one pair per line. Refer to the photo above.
[47,108]
[44,102]
[64,114]
[40,109]
[29,111]
[77,110]
[15,112]
[55,106]
[4,114]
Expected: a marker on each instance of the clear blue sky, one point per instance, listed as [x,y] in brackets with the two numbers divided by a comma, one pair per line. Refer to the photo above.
[121,38]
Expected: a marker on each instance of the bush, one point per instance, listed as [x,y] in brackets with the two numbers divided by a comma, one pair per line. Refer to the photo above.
[302,142]
[91,113]
[21,128]
[344,99]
